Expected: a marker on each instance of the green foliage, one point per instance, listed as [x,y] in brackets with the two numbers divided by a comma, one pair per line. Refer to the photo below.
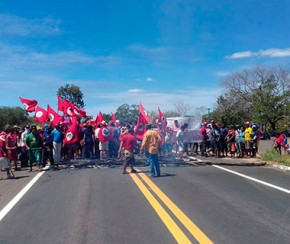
[13,116]
[73,94]
[274,156]
[260,94]
[107,117]
[127,113]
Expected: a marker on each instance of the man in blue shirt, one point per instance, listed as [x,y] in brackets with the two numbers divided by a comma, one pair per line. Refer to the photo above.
[57,144]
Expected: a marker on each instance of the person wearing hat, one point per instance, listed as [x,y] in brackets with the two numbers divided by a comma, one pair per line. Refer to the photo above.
[34,143]
[248,140]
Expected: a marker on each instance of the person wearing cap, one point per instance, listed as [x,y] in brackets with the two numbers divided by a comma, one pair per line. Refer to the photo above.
[152,141]
[248,140]
[33,143]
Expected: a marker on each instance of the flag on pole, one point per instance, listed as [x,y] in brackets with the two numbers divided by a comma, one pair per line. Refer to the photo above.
[162,119]
[68,108]
[53,116]
[140,128]
[99,118]
[59,104]
[40,114]
[79,112]
[72,134]
[144,113]
[104,134]
[114,118]
[29,105]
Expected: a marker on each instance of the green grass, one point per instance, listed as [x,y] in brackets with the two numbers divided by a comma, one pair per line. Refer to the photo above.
[273,156]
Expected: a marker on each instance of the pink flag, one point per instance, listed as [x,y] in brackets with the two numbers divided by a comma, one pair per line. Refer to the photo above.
[29,105]
[68,108]
[144,113]
[114,118]
[140,128]
[40,114]
[59,104]
[53,116]
[72,134]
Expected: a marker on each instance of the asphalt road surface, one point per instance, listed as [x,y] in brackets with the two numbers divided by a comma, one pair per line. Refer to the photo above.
[186,204]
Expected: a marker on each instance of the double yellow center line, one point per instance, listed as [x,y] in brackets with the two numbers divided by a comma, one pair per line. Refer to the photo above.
[177,233]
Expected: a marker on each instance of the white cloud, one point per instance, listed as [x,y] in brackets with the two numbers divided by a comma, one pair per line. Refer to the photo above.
[245,54]
[271,52]
[149,79]
[12,25]
[136,91]
[275,52]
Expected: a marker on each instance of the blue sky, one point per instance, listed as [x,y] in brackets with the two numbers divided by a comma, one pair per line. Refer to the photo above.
[157,52]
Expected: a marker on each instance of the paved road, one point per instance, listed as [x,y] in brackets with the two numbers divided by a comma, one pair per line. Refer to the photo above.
[104,206]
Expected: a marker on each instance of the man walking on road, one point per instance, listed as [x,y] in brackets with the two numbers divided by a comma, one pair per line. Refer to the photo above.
[152,141]
[128,141]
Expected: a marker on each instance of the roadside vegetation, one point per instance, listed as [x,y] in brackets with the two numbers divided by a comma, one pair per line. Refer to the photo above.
[274,157]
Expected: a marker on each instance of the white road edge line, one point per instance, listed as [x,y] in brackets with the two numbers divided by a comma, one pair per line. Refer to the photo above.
[13,202]
[253,179]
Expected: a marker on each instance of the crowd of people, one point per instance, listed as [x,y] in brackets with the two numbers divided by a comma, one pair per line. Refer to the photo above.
[40,146]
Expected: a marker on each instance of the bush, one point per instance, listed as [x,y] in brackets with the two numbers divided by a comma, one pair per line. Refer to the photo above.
[274,156]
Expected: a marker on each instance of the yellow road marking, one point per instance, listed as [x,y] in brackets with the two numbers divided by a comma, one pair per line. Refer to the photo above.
[190,226]
[177,233]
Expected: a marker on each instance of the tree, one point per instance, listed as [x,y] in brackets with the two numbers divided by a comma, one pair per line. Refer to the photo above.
[127,113]
[73,94]
[13,116]
[262,93]
[182,108]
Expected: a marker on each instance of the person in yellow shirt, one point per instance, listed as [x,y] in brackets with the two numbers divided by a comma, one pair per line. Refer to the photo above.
[152,141]
[248,140]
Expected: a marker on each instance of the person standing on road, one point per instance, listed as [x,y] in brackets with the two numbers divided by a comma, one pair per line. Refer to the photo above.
[34,144]
[11,146]
[57,144]
[128,142]
[248,140]
[152,141]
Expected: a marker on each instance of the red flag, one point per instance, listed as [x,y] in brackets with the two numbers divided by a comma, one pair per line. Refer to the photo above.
[162,119]
[53,116]
[40,114]
[104,134]
[99,118]
[59,104]
[114,118]
[79,112]
[144,113]
[72,134]
[68,108]
[29,105]
[140,128]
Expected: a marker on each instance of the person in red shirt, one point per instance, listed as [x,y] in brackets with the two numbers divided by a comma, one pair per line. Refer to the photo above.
[279,142]
[4,163]
[128,142]
[11,146]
